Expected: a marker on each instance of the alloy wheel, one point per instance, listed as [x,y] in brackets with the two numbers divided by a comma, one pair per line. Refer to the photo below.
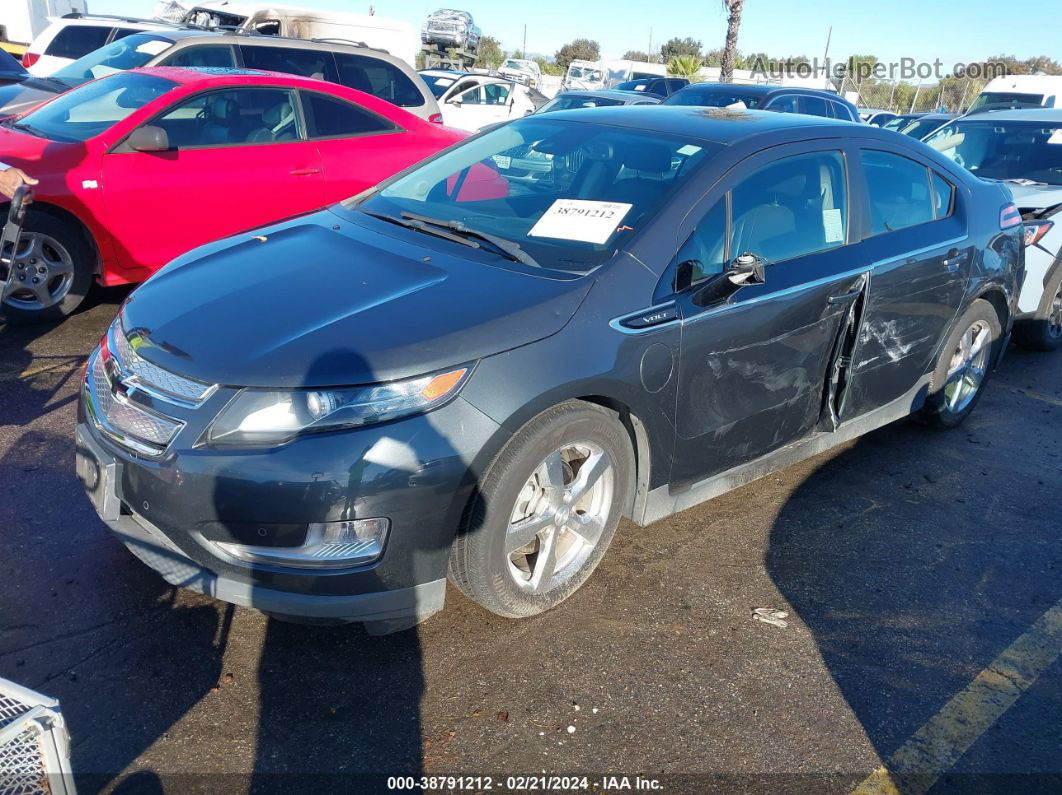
[968,366]
[42,272]
[560,515]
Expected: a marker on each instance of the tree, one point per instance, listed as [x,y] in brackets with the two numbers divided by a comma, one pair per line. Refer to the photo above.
[490,52]
[675,47]
[684,66]
[578,50]
[733,22]
[635,55]
[517,54]
[548,67]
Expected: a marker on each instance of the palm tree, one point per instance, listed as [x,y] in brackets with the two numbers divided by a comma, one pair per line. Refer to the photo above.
[726,69]
[684,66]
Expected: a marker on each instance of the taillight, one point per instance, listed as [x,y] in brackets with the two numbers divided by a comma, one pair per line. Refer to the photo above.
[435,118]
[1035,230]
[30,58]
[1009,217]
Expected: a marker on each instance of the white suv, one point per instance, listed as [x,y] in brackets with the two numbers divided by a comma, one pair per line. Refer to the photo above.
[71,36]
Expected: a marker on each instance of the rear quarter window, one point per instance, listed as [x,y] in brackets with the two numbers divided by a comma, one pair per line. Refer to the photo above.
[331,118]
[73,41]
[379,78]
[898,189]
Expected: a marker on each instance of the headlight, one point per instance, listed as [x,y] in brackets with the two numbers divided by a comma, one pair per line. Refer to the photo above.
[269,417]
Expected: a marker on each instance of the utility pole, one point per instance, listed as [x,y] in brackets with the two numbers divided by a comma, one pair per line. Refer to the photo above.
[649,52]
[524,50]
[826,57]
[914,99]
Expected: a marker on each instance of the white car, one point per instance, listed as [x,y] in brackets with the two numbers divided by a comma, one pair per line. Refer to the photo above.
[74,35]
[1022,148]
[471,101]
[521,70]
[1020,91]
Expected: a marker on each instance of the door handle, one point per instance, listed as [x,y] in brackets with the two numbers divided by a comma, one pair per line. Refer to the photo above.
[304,172]
[844,298]
[953,259]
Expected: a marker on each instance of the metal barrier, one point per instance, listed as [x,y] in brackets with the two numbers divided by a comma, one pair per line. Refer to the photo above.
[34,744]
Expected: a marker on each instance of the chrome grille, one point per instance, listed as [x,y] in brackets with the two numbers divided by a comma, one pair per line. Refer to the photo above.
[152,378]
[126,422]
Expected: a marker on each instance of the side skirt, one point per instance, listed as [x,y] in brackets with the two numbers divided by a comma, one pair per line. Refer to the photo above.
[662,502]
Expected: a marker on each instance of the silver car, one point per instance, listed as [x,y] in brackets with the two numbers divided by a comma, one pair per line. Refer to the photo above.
[449,27]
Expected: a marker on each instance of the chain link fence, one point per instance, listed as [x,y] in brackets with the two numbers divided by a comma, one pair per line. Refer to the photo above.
[953,94]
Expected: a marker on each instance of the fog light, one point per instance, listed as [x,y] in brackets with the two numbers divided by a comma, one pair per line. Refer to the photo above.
[328,545]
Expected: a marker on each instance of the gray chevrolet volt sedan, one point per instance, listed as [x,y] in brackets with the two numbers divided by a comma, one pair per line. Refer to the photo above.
[474,371]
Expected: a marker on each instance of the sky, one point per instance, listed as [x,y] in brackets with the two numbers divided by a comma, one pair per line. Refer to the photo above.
[920,29]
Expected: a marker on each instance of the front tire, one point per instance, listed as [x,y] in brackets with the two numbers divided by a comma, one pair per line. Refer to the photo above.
[1044,331]
[546,512]
[963,367]
[52,271]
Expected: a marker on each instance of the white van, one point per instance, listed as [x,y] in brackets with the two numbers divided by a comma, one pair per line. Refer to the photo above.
[383,33]
[23,20]
[1020,91]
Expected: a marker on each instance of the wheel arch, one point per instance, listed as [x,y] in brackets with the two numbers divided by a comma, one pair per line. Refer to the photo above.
[639,438]
[67,217]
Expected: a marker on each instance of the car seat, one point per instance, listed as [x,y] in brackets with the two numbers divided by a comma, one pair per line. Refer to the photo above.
[278,124]
[223,122]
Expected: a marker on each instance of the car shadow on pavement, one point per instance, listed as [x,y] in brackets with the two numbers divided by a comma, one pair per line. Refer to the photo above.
[912,573]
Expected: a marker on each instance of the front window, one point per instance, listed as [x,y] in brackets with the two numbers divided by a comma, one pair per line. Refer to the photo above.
[920,128]
[569,194]
[1004,149]
[722,98]
[131,52]
[1007,99]
[570,102]
[89,110]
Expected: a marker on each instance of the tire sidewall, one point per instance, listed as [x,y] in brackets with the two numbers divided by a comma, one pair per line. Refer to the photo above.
[81,253]
[563,425]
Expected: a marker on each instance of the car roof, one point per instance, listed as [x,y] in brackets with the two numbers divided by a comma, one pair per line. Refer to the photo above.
[608,93]
[762,89]
[191,75]
[1020,114]
[717,125]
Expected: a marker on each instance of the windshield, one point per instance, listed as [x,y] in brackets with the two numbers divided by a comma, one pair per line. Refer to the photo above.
[571,101]
[633,85]
[128,53]
[920,128]
[1007,99]
[715,98]
[438,85]
[584,73]
[1004,149]
[90,109]
[898,122]
[568,193]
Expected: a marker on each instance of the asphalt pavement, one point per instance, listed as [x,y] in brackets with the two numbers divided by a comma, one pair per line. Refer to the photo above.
[920,571]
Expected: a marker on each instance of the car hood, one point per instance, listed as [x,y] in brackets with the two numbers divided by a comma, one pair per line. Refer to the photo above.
[20,97]
[323,300]
[1035,197]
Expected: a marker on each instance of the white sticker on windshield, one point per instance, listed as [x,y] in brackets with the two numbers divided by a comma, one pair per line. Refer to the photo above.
[578,219]
[832,226]
[1056,137]
[153,47]
[688,150]
[502,161]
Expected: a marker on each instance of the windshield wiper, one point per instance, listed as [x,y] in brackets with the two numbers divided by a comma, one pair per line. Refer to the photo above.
[17,125]
[507,248]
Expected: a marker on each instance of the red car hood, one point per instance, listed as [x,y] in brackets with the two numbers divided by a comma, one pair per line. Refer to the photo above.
[59,166]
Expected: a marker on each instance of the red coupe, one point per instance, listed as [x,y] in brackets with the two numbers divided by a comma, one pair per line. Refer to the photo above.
[138,167]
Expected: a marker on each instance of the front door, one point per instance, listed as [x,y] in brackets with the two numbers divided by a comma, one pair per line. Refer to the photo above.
[755,366]
[476,107]
[921,259]
[238,159]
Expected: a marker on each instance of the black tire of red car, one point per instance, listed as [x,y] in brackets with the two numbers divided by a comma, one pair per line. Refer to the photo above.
[481,559]
[76,249]
[944,408]
[1043,331]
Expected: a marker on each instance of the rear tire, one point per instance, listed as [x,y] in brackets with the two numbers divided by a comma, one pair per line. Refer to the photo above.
[963,368]
[60,258]
[1043,332]
[546,512]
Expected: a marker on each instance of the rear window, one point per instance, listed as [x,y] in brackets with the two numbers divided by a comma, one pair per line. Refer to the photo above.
[814,106]
[290,60]
[1009,99]
[128,53]
[73,41]
[720,98]
[379,78]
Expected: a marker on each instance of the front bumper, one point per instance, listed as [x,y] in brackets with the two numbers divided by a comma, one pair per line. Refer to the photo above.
[417,472]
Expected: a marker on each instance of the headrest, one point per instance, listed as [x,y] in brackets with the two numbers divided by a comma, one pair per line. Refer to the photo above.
[276,114]
[224,109]
[646,156]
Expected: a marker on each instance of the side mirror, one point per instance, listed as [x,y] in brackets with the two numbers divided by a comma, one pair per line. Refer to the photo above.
[149,139]
[745,269]
[455,101]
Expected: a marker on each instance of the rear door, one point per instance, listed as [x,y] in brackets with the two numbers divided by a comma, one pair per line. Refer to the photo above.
[921,258]
[754,367]
[238,159]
